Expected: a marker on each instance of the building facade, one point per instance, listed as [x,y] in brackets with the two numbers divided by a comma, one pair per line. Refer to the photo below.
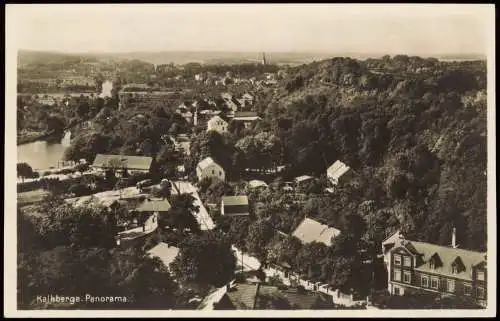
[208,168]
[446,271]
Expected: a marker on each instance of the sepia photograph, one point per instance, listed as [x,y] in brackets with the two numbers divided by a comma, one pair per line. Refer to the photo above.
[314,160]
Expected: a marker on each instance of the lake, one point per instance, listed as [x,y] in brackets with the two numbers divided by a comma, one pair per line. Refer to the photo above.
[43,154]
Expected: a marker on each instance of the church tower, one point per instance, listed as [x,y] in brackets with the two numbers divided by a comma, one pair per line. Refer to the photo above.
[264,61]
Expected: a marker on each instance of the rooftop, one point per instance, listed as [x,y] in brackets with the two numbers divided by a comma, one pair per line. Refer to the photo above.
[154,205]
[310,230]
[245,114]
[130,162]
[256,183]
[164,252]
[337,169]
[235,200]
[206,162]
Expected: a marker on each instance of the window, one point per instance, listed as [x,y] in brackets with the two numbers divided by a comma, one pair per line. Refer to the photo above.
[480,275]
[397,275]
[213,172]
[407,277]
[480,292]
[450,286]
[397,259]
[467,289]
[407,261]
[454,269]
[434,283]
[220,174]
[396,290]
[425,281]
[432,265]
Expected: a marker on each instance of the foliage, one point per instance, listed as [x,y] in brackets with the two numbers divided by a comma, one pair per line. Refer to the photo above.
[195,262]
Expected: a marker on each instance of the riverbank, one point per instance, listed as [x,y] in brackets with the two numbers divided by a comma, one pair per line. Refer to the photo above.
[31,137]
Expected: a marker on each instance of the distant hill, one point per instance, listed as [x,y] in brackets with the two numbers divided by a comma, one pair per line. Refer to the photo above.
[208,57]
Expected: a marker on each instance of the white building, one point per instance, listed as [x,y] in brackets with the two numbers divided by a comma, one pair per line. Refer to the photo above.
[337,171]
[217,124]
[208,168]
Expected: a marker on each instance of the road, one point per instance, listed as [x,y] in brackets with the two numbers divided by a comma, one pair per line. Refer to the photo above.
[202,216]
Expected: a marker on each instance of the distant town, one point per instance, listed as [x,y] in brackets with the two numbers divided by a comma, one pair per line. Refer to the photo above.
[251,183]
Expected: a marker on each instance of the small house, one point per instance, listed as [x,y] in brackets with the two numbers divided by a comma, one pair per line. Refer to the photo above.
[217,124]
[246,117]
[208,168]
[235,206]
[338,172]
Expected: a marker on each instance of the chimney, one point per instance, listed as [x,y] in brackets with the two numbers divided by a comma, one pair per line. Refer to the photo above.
[454,238]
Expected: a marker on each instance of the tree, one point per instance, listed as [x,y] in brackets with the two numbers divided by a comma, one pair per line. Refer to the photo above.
[86,225]
[260,233]
[195,263]
[24,170]
[55,123]
[79,189]
[181,214]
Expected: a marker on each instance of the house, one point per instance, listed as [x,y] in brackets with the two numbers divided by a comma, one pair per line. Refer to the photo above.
[164,252]
[154,205]
[49,101]
[257,184]
[300,180]
[131,164]
[217,124]
[208,168]
[248,98]
[414,266]
[247,117]
[257,296]
[310,230]
[337,172]
[235,206]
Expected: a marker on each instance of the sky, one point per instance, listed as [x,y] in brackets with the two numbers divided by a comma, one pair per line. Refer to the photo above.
[411,29]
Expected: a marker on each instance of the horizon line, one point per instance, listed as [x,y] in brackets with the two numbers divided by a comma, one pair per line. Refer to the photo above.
[250,51]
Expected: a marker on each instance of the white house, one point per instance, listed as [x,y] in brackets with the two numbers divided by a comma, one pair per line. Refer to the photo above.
[208,168]
[337,171]
[217,124]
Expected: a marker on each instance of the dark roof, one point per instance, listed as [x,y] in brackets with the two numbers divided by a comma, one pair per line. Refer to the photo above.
[243,296]
[245,114]
[130,162]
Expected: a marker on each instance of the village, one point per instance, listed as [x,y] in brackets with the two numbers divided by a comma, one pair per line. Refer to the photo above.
[396,265]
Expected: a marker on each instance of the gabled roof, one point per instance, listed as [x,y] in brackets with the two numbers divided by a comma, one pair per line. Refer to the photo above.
[336,170]
[215,119]
[256,183]
[243,296]
[310,230]
[164,252]
[235,200]
[130,162]
[300,179]
[448,256]
[306,301]
[246,114]
[207,161]
[154,205]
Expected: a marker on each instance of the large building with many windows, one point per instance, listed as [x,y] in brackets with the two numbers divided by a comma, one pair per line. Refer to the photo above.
[447,271]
